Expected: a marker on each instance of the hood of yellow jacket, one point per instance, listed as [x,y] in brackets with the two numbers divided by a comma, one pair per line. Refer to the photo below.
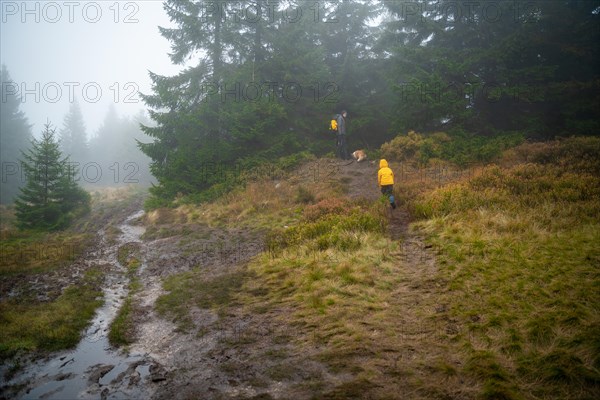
[383,163]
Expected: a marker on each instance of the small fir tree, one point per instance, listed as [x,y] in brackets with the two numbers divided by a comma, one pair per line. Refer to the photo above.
[51,196]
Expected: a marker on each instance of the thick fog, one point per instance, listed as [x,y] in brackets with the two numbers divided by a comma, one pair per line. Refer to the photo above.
[80,66]
[96,52]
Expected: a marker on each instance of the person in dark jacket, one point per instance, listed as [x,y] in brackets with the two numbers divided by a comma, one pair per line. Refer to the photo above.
[342,147]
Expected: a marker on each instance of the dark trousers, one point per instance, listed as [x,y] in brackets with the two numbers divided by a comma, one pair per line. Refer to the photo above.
[342,147]
[388,191]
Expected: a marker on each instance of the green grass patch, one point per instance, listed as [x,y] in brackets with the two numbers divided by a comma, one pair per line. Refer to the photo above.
[327,227]
[519,247]
[122,327]
[129,256]
[120,333]
[50,326]
[34,252]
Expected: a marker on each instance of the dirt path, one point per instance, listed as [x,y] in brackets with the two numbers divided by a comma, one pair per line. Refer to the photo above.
[194,357]
[417,312]
[361,183]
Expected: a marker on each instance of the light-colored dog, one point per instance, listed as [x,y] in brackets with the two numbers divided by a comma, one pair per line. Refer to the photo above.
[359,155]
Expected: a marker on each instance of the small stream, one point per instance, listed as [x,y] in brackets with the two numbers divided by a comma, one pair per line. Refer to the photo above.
[94,369]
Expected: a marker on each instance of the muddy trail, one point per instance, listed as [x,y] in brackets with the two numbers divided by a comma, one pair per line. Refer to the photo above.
[94,369]
[219,354]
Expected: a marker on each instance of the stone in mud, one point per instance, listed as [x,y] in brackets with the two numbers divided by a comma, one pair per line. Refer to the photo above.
[130,371]
[135,379]
[51,393]
[157,372]
[66,362]
[62,377]
[98,371]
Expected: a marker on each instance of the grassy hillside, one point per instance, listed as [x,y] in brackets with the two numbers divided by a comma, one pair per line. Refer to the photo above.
[493,292]
[519,247]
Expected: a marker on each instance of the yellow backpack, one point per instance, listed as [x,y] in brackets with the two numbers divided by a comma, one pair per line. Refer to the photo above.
[333,126]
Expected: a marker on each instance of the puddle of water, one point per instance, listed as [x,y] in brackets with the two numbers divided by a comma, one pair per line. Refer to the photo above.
[131,233]
[66,375]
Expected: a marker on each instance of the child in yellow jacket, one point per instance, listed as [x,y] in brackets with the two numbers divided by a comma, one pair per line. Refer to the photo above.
[385,179]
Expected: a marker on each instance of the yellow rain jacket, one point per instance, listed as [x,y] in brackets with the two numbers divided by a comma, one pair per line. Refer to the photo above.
[385,176]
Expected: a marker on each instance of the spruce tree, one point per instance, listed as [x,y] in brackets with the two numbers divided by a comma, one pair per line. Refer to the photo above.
[15,135]
[51,196]
[73,137]
[530,67]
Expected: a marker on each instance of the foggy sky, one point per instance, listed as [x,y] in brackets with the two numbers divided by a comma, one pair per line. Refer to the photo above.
[98,52]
